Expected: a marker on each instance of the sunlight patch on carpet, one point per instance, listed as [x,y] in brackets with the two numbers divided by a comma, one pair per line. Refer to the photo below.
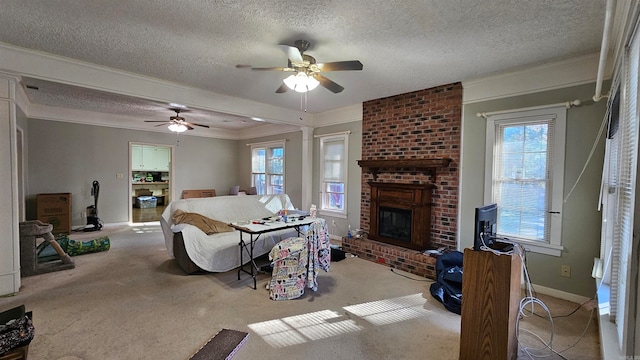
[388,311]
[299,329]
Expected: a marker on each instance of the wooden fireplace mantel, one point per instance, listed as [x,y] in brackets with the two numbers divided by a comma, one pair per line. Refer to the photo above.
[397,165]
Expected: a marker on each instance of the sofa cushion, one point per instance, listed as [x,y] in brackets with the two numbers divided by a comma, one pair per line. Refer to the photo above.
[207,225]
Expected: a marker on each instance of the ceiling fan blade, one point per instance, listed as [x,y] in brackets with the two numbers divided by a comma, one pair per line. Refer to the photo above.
[162,121]
[340,65]
[273,69]
[282,89]
[201,125]
[160,124]
[188,127]
[329,84]
[292,53]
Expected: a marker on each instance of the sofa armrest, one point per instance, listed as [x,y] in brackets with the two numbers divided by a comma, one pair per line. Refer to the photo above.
[181,256]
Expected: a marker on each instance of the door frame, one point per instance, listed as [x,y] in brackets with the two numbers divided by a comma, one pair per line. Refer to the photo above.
[130,173]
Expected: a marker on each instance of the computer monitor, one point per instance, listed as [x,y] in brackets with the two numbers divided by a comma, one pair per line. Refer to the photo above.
[486,223]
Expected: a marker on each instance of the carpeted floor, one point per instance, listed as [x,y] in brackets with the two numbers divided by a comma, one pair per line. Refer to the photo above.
[134,302]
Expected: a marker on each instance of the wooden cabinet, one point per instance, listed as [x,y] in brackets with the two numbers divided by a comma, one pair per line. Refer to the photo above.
[150,158]
[162,158]
[136,157]
[490,300]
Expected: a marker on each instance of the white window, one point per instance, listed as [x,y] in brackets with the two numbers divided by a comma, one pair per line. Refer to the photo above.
[619,199]
[525,174]
[267,167]
[333,172]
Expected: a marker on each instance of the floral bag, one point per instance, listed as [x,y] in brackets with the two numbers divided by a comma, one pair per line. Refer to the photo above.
[16,329]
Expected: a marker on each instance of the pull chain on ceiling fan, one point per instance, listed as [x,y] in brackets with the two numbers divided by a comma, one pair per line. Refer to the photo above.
[307,71]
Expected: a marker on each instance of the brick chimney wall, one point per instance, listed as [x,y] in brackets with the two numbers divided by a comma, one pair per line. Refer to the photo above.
[417,125]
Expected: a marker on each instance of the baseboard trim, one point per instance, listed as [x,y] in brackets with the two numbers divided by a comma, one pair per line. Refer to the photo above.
[578,299]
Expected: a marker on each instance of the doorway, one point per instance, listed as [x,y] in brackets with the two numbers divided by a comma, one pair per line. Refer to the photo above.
[151,180]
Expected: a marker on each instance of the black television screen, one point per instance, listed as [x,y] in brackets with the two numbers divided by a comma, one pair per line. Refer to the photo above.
[486,223]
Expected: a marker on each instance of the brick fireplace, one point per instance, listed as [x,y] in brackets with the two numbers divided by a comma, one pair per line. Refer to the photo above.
[411,139]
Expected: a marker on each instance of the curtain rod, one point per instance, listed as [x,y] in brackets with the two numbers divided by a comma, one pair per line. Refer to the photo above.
[348,132]
[566,104]
[267,142]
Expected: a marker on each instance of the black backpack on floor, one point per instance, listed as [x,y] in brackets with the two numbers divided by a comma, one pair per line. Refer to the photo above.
[448,286]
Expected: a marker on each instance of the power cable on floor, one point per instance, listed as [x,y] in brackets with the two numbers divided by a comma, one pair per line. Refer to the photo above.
[409,277]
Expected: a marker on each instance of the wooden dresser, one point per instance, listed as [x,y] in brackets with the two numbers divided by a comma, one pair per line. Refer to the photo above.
[491,293]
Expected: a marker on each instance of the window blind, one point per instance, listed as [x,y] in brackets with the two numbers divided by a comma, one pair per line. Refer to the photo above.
[626,179]
[333,160]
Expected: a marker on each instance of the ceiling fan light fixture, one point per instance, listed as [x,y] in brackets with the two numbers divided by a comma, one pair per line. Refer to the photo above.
[178,128]
[301,82]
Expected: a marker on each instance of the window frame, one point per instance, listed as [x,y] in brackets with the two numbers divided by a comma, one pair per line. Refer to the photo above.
[267,147]
[558,116]
[323,208]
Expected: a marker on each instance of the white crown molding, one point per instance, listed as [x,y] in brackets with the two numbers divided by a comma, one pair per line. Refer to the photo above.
[338,116]
[545,77]
[266,130]
[34,111]
[50,67]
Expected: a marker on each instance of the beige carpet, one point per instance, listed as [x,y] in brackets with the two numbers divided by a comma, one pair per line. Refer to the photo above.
[134,302]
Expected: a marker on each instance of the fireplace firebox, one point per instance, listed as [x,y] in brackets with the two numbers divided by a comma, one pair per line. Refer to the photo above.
[401,214]
[395,223]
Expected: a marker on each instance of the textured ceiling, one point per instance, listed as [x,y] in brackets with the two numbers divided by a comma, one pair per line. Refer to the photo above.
[404,45]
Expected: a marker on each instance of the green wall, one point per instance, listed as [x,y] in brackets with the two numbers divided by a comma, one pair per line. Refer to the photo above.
[67,157]
[581,219]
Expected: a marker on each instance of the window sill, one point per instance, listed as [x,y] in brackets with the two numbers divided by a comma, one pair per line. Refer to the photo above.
[608,333]
[542,248]
[336,214]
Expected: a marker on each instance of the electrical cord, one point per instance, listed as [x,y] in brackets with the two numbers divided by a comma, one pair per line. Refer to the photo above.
[409,277]
[530,299]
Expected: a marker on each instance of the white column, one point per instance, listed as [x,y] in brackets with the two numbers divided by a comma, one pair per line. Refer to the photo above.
[307,166]
[9,209]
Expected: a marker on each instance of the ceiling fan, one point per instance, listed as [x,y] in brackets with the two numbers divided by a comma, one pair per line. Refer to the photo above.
[307,71]
[177,123]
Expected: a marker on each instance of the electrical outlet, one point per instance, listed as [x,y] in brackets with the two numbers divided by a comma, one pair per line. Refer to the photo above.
[119,176]
[83,214]
[565,270]
[333,223]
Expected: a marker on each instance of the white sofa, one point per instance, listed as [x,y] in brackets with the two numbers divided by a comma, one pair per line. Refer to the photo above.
[196,251]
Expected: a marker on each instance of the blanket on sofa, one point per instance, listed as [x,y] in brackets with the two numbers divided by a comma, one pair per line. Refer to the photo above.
[207,225]
[220,252]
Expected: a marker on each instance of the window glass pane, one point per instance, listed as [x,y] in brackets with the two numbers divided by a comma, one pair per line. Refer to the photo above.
[522,211]
[513,139]
[267,164]
[521,189]
[535,165]
[259,183]
[334,187]
[336,201]
[276,160]
[512,166]
[258,160]
[333,163]
[536,138]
